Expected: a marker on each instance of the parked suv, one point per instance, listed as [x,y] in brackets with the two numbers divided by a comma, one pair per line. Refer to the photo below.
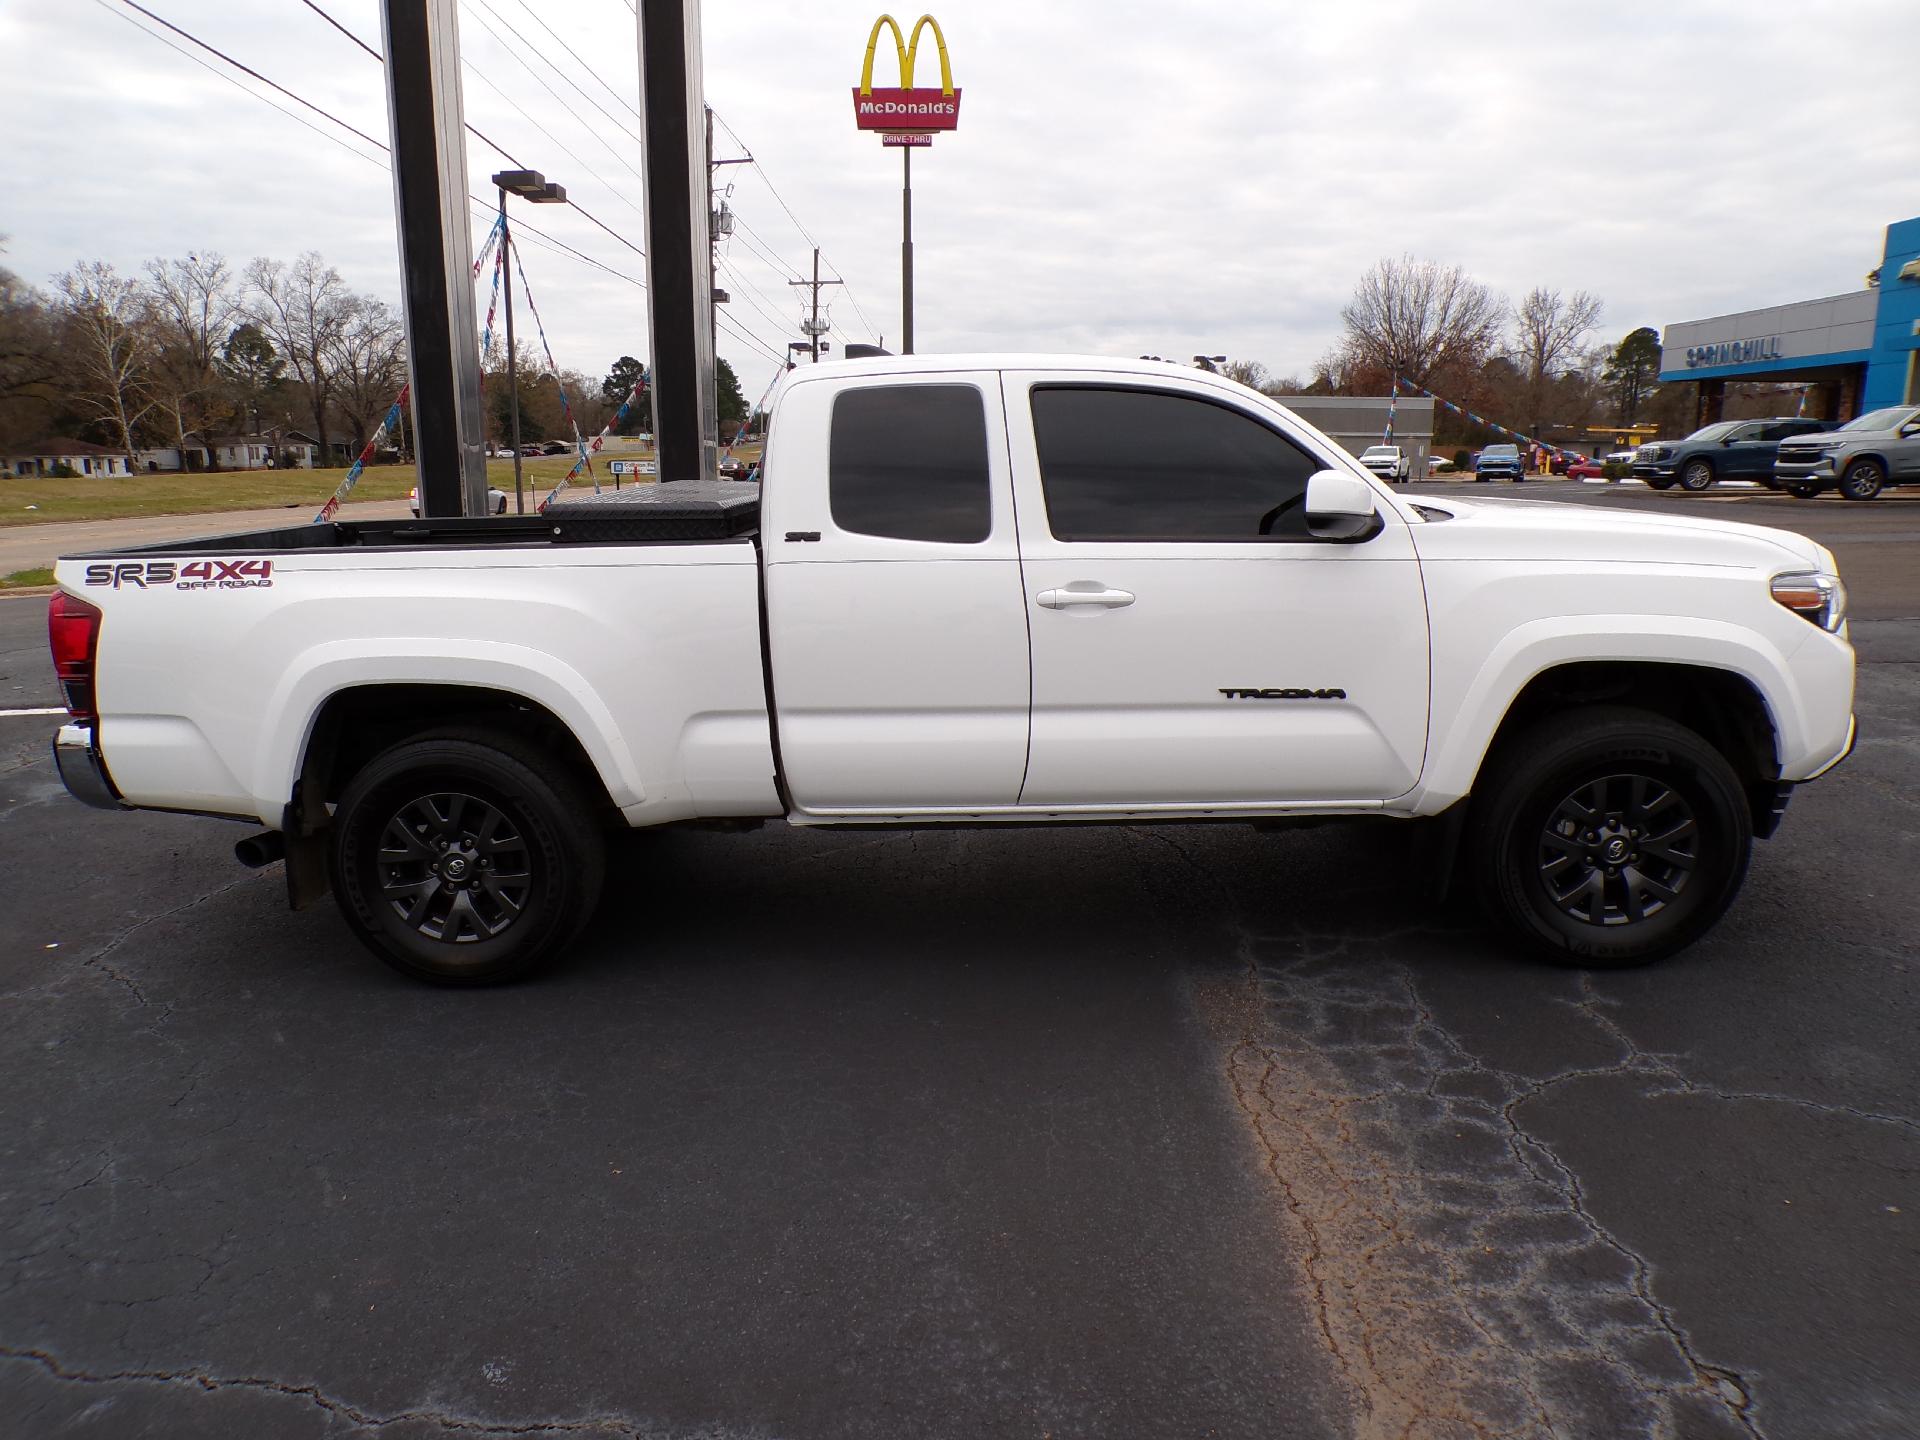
[1729,450]
[1501,462]
[1389,462]
[1859,459]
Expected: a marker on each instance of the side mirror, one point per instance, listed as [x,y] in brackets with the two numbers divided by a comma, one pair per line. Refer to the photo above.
[1341,507]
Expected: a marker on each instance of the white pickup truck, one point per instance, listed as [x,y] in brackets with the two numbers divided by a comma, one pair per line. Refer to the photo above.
[1014,589]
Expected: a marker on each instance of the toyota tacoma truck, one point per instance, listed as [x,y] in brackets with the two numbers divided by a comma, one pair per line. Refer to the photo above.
[970,591]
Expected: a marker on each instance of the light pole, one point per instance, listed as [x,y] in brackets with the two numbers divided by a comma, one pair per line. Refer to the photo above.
[1210,362]
[528,185]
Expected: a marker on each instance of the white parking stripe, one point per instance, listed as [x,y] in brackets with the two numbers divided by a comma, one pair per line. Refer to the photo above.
[52,710]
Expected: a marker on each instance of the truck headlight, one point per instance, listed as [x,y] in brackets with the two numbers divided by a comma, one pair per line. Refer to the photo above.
[1814,594]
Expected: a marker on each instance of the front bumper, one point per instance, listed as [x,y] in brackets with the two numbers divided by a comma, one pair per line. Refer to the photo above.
[82,770]
[1654,470]
[1853,735]
[1823,468]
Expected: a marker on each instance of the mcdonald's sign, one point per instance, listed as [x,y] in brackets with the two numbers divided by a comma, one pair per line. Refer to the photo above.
[906,110]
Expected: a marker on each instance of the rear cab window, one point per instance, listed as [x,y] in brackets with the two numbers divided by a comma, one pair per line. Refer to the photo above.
[909,462]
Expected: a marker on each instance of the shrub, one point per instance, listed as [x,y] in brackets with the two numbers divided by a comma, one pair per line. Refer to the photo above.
[1615,469]
[1463,459]
[63,471]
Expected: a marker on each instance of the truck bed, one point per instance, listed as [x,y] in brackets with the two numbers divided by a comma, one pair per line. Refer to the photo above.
[672,513]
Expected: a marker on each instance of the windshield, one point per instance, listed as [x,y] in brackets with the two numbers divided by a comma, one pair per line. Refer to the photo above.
[1500,452]
[1880,419]
[1716,432]
[1381,450]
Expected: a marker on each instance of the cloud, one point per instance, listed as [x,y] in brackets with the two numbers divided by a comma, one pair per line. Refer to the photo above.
[1127,178]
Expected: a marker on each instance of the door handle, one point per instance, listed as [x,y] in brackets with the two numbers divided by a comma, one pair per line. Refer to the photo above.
[1091,594]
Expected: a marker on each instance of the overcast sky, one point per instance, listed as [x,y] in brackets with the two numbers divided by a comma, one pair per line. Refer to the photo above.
[1166,177]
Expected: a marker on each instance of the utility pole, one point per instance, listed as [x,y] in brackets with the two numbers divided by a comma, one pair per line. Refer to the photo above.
[813,324]
[721,219]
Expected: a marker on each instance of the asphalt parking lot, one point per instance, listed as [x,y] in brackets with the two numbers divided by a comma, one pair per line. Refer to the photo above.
[1177,1131]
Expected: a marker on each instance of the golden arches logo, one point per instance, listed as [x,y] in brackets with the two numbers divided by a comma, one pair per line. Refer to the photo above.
[908,49]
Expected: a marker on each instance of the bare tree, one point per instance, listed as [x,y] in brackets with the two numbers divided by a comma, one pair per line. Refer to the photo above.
[370,364]
[1250,373]
[192,306]
[1414,318]
[111,346]
[29,359]
[303,309]
[1550,328]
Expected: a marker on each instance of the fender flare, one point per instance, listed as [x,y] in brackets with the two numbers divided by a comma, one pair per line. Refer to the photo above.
[1530,650]
[315,675]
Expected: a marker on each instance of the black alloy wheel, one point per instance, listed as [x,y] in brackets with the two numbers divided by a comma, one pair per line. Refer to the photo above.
[467,856]
[1864,480]
[1697,476]
[1608,836]
[455,867]
[1618,849]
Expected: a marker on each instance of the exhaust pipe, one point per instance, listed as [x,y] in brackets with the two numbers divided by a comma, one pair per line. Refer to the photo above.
[262,849]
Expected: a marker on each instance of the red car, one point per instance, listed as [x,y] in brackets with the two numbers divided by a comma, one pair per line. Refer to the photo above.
[1581,468]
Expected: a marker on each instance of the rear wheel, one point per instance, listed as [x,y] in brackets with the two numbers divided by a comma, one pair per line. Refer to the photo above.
[1864,480]
[466,857]
[1697,476]
[1609,837]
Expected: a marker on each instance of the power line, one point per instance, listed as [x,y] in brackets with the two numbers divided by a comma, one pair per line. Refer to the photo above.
[481,207]
[501,150]
[579,60]
[618,123]
[564,149]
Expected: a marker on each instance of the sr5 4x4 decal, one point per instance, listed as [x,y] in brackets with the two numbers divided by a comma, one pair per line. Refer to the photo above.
[194,575]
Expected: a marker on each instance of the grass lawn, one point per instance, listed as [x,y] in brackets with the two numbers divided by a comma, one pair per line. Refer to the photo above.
[91,498]
[20,579]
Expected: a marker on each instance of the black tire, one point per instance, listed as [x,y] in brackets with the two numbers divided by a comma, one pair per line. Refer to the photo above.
[1655,484]
[1670,819]
[422,821]
[1697,475]
[1803,489]
[1864,480]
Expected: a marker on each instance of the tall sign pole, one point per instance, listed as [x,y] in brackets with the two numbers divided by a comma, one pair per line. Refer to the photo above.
[436,253]
[906,250]
[907,118]
[673,151]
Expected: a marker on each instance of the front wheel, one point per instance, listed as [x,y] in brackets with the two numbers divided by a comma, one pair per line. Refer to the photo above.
[1659,484]
[1803,489]
[1697,476]
[1609,837]
[1864,480]
[466,857]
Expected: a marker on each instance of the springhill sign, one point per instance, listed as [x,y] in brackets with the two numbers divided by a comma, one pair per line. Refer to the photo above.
[906,110]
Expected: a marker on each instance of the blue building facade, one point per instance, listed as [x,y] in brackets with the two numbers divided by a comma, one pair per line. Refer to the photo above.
[1855,352]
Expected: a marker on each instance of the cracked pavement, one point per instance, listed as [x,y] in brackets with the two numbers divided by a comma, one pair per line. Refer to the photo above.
[1084,1132]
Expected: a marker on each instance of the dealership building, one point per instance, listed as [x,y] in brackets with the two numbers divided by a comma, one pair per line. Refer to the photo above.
[1854,352]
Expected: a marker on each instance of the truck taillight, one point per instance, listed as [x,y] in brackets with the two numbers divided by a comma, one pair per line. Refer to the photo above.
[73,630]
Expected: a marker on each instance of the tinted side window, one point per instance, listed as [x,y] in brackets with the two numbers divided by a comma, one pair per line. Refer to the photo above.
[1147,465]
[909,462]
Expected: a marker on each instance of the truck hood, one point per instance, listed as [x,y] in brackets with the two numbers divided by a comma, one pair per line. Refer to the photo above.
[1553,530]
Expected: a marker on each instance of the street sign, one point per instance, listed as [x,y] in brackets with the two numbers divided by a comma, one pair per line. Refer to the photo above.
[635,467]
